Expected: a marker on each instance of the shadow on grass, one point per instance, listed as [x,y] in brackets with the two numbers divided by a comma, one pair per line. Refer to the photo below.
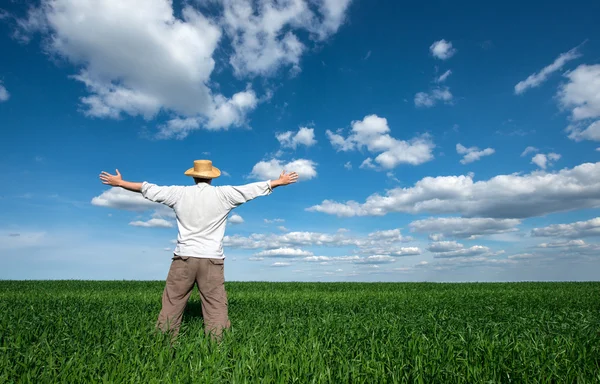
[193,311]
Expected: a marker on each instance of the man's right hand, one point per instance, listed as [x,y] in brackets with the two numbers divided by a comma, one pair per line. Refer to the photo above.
[285,179]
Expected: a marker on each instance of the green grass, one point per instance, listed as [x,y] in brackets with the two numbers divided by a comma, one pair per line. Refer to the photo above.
[82,331]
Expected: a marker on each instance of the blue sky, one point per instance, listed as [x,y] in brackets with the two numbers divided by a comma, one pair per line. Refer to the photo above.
[438,142]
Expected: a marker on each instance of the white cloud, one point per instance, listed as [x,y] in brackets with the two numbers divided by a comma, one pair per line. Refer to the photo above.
[263,33]
[152,223]
[376,259]
[136,62]
[380,242]
[443,76]
[393,235]
[442,49]
[529,150]
[284,252]
[290,239]
[592,132]
[4,95]
[582,93]
[236,219]
[472,154]
[406,251]
[429,99]
[466,228]
[373,133]
[304,136]
[577,229]
[504,196]
[449,249]
[568,249]
[543,161]
[537,79]
[283,229]
[563,244]
[348,165]
[332,258]
[280,264]
[143,60]
[120,198]
[271,169]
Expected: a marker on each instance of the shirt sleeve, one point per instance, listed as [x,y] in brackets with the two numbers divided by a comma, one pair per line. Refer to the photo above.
[234,196]
[168,195]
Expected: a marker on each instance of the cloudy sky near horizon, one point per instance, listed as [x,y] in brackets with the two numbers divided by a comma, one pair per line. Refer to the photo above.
[436,142]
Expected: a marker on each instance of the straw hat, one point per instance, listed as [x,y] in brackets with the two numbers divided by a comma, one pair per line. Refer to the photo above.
[203,169]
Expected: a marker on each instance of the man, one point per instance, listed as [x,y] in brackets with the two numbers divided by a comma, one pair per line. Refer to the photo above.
[201,212]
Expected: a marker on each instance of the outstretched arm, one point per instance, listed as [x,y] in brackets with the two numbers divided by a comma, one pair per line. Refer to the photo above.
[284,179]
[167,195]
[117,181]
[234,196]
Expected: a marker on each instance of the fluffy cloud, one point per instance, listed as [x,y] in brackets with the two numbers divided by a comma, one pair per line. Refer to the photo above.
[271,169]
[429,99]
[473,153]
[284,252]
[503,196]
[582,93]
[376,259]
[304,136]
[236,219]
[543,161]
[576,230]
[143,61]
[153,223]
[536,79]
[568,249]
[563,244]
[290,239]
[135,62]
[375,243]
[372,133]
[449,249]
[263,33]
[591,132]
[120,198]
[442,49]
[465,228]
[4,95]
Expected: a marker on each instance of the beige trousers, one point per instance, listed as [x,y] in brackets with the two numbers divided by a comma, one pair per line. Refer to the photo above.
[210,277]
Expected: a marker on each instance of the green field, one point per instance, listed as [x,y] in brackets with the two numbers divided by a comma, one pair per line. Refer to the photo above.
[83,331]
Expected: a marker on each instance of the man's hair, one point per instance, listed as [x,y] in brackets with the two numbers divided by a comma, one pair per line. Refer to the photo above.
[201,180]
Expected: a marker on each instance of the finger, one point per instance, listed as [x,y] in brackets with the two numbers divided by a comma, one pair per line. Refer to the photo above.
[118,173]
[105,173]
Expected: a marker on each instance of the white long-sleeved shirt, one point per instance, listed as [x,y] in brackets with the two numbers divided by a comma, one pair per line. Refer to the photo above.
[201,211]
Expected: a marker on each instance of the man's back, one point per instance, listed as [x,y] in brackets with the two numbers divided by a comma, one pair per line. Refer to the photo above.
[202,212]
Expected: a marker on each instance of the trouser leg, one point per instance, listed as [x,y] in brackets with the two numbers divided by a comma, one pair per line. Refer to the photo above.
[179,285]
[211,284]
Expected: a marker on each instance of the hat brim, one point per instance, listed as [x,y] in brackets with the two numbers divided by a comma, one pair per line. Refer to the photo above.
[216,172]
